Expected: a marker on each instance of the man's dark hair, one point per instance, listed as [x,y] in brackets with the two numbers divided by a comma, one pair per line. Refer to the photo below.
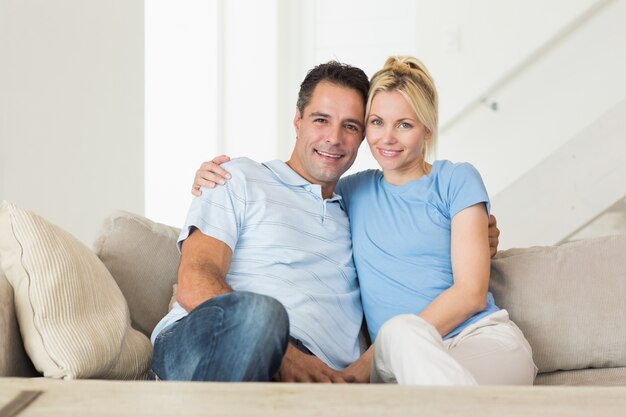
[335,72]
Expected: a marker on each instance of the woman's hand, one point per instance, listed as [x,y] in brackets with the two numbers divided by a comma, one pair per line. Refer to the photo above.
[210,174]
[300,367]
[361,368]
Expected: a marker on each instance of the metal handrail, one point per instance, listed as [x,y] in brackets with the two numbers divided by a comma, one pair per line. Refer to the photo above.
[509,76]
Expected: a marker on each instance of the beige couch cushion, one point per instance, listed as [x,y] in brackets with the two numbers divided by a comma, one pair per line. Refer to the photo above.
[73,318]
[602,376]
[13,359]
[143,258]
[568,300]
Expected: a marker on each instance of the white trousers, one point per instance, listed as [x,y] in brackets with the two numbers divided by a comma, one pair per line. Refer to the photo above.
[492,351]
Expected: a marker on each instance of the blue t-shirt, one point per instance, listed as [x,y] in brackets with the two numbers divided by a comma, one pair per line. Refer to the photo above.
[401,238]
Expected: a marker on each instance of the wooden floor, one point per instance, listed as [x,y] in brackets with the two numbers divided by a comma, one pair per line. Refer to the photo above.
[113,398]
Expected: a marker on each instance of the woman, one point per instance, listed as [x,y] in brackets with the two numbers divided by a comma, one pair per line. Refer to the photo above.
[421,249]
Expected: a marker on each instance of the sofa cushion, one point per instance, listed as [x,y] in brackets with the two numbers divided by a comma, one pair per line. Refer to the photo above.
[13,358]
[143,258]
[568,300]
[602,376]
[72,316]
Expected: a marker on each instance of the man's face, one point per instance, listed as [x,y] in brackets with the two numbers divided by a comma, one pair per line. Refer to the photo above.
[329,133]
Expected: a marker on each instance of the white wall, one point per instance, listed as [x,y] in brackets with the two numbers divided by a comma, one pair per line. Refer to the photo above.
[470,46]
[71,91]
[250,78]
[551,101]
[71,87]
[555,99]
[212,82]
[568,189]
[182,107]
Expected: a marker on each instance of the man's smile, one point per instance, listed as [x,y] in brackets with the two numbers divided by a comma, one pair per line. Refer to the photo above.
[328,155]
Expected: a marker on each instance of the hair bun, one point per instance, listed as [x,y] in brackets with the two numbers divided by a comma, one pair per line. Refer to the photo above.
[406,65]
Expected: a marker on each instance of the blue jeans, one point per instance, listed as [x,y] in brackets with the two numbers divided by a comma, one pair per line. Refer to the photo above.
[240,336]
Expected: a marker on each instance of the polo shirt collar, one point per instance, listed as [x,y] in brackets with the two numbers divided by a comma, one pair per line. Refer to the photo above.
[290,177]
[285,174]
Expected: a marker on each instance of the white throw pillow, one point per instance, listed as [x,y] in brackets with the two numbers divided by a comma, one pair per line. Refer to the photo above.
[73,318]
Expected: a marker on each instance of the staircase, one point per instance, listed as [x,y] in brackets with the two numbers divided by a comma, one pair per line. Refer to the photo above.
[576,192]
[549,136]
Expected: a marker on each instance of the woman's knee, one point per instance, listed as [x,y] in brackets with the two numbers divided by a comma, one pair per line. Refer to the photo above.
[404,325]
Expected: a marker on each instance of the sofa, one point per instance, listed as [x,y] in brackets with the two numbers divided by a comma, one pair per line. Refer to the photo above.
[567,299]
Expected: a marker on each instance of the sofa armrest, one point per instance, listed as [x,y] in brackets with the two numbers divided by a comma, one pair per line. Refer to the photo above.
[13,359]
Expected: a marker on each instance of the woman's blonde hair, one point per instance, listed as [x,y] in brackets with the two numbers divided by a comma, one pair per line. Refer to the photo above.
[408,76]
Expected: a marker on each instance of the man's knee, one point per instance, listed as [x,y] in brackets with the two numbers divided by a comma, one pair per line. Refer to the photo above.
[235,336]
[257,309]
[264,330]
[269,311]
[234,316]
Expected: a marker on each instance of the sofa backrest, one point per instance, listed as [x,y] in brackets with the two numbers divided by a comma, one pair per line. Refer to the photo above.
[568,300]
[143,258]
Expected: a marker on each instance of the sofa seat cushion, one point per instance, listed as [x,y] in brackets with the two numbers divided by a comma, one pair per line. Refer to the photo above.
[603,376]
[73,318]
[568,300]
[143,258]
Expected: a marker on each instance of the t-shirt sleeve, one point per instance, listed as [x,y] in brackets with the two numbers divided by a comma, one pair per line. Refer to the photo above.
[343,187]
[350,184]
[466,189]
[218,212]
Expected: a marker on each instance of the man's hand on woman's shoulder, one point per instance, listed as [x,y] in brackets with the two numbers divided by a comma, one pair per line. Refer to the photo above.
[493,233]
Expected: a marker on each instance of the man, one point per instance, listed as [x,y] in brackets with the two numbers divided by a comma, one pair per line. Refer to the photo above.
[266,268]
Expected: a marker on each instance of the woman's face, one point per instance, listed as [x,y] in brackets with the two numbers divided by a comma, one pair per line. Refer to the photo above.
[395,135]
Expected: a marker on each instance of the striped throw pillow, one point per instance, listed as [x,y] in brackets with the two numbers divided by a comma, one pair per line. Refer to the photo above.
[73,318]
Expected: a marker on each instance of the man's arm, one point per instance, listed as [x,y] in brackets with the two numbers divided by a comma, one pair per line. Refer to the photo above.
[204,264]
[201,276]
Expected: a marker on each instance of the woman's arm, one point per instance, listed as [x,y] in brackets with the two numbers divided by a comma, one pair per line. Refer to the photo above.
[470,270]
[210,174]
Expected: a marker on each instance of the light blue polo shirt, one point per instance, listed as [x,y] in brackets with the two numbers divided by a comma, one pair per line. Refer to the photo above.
[290,243]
